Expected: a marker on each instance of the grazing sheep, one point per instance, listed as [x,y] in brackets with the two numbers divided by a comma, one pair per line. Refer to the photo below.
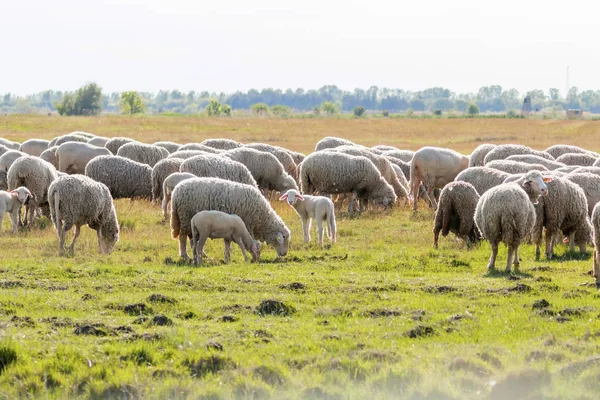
[124,178]
[219,225]
[222,144]
[456,213]
[34,147]
[161,170]
[384,148]
[199,147]
[590,183]
[265,169]
[434,167]
[319,208]
[114,144]
[71,137]
[214,166]
[170,146]
[333,173]
[11,202]
[74,156]
[143,153]
[585,170]
[580,159]
[3,149]
[403,155]
[559,149]
[98,141]
[184,155]
[506,214]
[596,240]
[514,167]
[84,134]
[168,185]
[297,157]
[198,194]
[482,178]
[330,142]
[6,160]
[282,155]
[403,165]
[503,151]
[9,144]
[401,177]
[50,156]
[478,155]
[76,200]
[533,159]
[36,175]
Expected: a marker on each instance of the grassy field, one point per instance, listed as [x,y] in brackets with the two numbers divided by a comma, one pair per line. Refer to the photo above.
[381,314]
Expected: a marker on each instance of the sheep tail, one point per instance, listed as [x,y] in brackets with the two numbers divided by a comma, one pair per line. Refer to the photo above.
[55,213]
[175,223]
[331,227]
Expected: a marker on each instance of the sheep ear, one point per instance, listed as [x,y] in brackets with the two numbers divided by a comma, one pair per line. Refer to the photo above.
[283,197]
[279,238]
[300,197]
[547,179]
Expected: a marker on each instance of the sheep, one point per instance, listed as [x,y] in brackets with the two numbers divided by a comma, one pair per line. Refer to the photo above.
[478,155]
[265,169]
[3,149]
[114,144]
[50,156]
[188,154]
[297,157]
[124,178]
[569,168]
[168,185]
[71,137]
[331,142]
[222,144]
[98,141]
[558,150]
[503,151]
[506,214]
[596,240]
[199,147]
[198,194]
[161,170]
[36,175]
[76,200]
[384,148]
[219,225]
[455,213]
[6,160]
[514,167]
[401,177]
[143,153]
[74,156]
[583,160]
[590,170]
[403,165]
[34,147]
[214,166]
[533,159]
[170,146]
[434,167]
[333,173]
[404,155]
[590,183]
[320,208]
[282,155]
[482,178]
[9,144]
[84,134]
[11,202]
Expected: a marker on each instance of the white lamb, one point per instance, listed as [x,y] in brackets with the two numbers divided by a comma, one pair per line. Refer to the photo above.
[318,207]
[219,225]
[11,202]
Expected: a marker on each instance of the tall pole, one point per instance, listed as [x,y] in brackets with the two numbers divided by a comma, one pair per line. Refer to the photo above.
[568,88]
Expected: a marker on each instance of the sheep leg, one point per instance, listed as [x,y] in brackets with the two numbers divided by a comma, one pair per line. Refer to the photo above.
[583,247]
[509,259]
[320,231]
[183,247]
[433,203]
[165,205]
[227,250]
[537,252]
[572,242]
[492,262]
[306,222]
[597,269]
[331,228]
[62,235]
[517,260]
[416,184]
[436,237]
[353,198]
[549,249]
[243,248]
[75,236]
[200,242]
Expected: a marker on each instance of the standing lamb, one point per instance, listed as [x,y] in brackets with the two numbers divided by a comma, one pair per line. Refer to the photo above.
[456,212]
[214,166]
[583,160]
[506,214]
[143,153]
[34,147]
[161,170]
[596,237]
[168,185]
[170,146]
[11,202]
[114,144]
[124,178]
[319,208]
[478,155]
[219,225]
[6,160]
[503,151]
[330,142]
[434,167]
[76,200]
[198,194]
[74,156]
[222,144]
[482,178]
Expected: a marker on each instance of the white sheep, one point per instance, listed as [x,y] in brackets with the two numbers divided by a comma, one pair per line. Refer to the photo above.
[74,156]
[219,225]
[168,185]
[318,207]
[143,153]
[478,155]
[34,147]
[11,202]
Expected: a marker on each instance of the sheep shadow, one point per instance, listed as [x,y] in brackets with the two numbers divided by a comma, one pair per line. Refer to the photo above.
[568,255]
[514,275]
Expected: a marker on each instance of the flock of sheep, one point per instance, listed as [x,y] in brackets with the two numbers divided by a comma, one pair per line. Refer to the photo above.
[221,188]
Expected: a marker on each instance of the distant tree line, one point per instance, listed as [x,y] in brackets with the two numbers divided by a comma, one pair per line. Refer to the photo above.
[90,100]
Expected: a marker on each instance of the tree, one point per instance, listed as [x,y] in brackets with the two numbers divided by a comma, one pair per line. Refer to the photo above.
[260,109]
[554,94]
[329,107]
[281,110]
[131,103]
[86,100]
[359,111]
[473,109]
[216,109]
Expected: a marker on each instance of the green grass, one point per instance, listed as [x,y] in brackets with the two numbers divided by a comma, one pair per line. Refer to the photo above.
[381,314]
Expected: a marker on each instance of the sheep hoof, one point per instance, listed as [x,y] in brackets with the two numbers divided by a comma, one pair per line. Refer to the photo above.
[598,285]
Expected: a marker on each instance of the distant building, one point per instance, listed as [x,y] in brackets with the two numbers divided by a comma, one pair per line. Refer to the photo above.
[574,113]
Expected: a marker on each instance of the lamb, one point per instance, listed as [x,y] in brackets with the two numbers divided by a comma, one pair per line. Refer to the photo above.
[219,225]
[264,167]
[6,160]
[124,178]
[161,170]
[98,141]
[514,167]
[590,183]
[36,175]
[187,154]
[282,155]
[434,167]
[9,144]
[222,144]
[198,194]
[533,159]
[559,149]
[114,144]
[143,153]
[168,185]
[74,156]
[482,178]
[214,166]
[320,208]
[456,212]
[583,160]
[50,156]
[478,155]
[171,147]
[596,240]
[404,155]
[506,214]
[199,147]
[11,202]
[330,142]
[503,151]
[76,200]
[34,147]
[332,173]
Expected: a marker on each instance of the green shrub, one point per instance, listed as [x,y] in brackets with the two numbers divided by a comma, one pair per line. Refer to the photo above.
[359,111]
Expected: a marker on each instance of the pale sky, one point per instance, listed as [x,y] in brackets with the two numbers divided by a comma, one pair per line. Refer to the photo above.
[230,45]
